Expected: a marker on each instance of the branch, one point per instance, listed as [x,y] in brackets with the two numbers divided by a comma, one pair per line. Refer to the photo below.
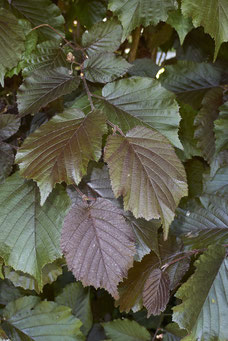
[135,44]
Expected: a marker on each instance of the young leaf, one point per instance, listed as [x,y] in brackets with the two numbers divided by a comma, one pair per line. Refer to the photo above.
[142,101]
[98,244]
[126,330]
[61,149]
[133,13]
[28,318]
[102,37]
[213,18]
[44,86]
[78,299]
[146,155]
[12,44]
[204,298]
[156,292]
[221,129]
[204,122]
[105,67]
[29,233]
[183,25]
[41,12]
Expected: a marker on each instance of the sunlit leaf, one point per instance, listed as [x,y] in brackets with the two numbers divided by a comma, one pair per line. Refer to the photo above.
[146,155]
[44,86]
[98,244]
[61,149]
[28,316]
[221,129]
[133,13]
[12,44]
[204,298]
[29,233]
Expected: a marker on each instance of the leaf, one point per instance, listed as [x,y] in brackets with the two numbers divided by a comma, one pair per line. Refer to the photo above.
[47,55]
[6,160]
[42,87]
[90,11]
[9,125]
[102,37]
[203,223]
[204,298]
[8,292]
[195,169]
[213,18]
[146,155]
[133,13]
[218,181]
[29,233]
[61,149]
[104,68]
[156,292]
[98,244]
[12,42]
[78,299]
[41,12]
[126,330]
[204,122]
[141,101]
[221,128]
[183,25]
[144,67]
[28,316]
[190,81]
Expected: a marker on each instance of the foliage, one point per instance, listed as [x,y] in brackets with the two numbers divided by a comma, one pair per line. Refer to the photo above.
[113,170]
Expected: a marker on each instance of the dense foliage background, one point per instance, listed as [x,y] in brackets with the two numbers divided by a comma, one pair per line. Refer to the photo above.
[113,170]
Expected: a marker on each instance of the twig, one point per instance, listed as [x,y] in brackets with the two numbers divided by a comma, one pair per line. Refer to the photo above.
[115,128]
[158,327]
[87,89]
[135,44]
[83,196]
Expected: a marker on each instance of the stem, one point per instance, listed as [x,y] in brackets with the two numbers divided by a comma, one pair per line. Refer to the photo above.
[135,44]
[158,327]
[115,128]
[83,196]
[188,254]
[87,89]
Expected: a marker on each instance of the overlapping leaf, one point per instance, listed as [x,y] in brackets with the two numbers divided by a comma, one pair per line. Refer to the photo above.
[28,318]
[212,15]
[144,67]
[183,25]
[141,101]
[9,125]
[204,298]
[204,122]
[12,42]
[147,156]
[29,233]
[126,330]
[98,244]
[105,67]
[156,292]
[44,86]
[41,12]
[133,13]
[90,11]
[78,299]
[102,37]
[61,149]
[221,129]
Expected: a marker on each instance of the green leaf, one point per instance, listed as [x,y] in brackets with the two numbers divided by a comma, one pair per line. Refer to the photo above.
[146,155]
[47,55]
[6,160]
[41,12]
[144,67]
[141,101]
[218,181]
[133,13]
[29,233]
[156,292]
[183,25]
[204,298]
[61,149]
[98,244]
[28,316]
[212,16]
[90,11]
[126,330]
[44,86]
[12,42]
[102,37]
[78,299]
[204,122]
[105,67]
[190,81]
[8,292]
[221,129]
